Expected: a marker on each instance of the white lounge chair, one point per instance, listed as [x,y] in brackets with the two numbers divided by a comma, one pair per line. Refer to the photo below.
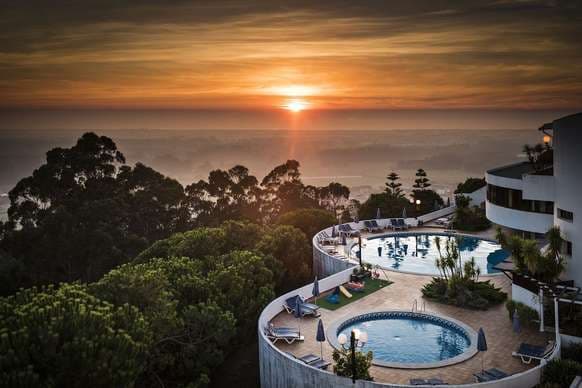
[286,334]
[527,352]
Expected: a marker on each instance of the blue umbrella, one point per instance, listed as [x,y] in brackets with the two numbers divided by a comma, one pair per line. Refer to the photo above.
[320,336]
[403,212]
[333,232]
[481,344]
[297,312]
[515,322]
[378,214]
[315,291]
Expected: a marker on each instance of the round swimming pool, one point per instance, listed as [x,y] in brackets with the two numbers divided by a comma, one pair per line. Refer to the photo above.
[402,339]
[416,252]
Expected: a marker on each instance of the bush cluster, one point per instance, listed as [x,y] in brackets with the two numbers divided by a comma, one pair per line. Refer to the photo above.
[528,317]
[464,293]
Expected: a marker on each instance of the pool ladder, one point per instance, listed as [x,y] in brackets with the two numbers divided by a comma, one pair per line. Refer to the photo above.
[415,306]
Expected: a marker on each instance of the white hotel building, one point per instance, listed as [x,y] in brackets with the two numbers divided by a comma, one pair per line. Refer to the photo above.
[529,202]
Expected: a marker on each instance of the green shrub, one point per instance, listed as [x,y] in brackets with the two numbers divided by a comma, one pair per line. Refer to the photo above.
[343,364]
[561,372]
[572,352]
[464,293]
[528,317]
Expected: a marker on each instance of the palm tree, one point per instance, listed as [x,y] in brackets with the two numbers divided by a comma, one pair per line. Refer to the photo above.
[531,254]
[556,262]
[500,236]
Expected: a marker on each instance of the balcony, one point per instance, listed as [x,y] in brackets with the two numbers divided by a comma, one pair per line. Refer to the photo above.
[519,219]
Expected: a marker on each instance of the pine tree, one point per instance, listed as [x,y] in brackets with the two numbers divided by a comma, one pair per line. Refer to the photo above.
[421,182]
[393,187]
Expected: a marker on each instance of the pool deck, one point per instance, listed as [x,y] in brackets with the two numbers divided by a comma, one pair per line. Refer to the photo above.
[501,339]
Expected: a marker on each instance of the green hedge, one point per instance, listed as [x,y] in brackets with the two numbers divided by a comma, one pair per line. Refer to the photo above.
[528,317]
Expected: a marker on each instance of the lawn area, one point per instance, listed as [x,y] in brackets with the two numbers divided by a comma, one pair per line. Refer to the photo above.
[372,285]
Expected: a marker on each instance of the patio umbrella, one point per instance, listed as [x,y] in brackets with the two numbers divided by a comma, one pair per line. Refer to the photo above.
[378,214]
[356,220]
[320,336]
[481,344]
[403,212]
[297,312]
[380,251]
[315,291]
[344,241]
[515,322]
[333,232]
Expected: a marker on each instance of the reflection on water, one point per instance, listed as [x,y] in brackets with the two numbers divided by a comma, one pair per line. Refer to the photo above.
[408,340]
[417,252]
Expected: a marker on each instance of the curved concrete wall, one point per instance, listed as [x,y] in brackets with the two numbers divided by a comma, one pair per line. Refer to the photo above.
[567,142]
[517,219]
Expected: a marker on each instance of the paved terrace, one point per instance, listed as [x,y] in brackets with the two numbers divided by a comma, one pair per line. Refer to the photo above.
[501,339]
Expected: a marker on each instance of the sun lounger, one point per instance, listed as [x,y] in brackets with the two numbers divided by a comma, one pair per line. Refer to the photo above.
[306,308]
[528,352]
[312,360]
[372,226]
[286,334]
[395,225]
[401,223]
[490,375]
[347,230]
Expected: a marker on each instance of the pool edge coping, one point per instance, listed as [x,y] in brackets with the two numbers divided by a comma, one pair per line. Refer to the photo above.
[331,335]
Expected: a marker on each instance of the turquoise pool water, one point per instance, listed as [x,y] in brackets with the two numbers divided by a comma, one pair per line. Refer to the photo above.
[416,252]
[410,339]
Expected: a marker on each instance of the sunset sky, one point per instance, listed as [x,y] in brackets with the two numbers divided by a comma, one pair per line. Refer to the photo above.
[98,56]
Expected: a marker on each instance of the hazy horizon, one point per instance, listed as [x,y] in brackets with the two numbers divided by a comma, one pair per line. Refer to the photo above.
[359,159]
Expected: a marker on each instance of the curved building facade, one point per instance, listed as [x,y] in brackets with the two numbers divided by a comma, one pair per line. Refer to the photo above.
[530,200]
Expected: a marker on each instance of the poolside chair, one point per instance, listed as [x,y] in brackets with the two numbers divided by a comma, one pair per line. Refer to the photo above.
[528,352]
[490,375]
[286,334]
[347,230]
[326,239]
[376,225]
[312,360]
[306,308]
[401,223]
[395,225]
[372,226]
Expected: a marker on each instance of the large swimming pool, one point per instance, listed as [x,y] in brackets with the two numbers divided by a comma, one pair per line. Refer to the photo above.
[412,340]
[416,252]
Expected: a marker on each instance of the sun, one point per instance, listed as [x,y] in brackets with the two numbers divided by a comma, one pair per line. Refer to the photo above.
[296,105]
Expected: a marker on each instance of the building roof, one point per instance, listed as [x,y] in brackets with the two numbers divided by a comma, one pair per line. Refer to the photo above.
[513,171]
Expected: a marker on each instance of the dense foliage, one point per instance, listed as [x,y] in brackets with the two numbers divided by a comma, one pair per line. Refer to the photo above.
[309,221]
[528,257]
[469,218]
[66,337]
[560,373]
[343,364]
[470,185]
[84,212]
[528,317]
[196,309]
[286,250]
[459,283]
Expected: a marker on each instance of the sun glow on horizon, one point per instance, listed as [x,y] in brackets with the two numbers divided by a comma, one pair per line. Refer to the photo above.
[296,105]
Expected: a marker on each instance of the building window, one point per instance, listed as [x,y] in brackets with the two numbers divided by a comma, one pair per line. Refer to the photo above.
[567,247]
[565,215]
[513,199]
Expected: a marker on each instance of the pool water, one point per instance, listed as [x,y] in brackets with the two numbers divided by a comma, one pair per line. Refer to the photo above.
[411,340]
[416,252]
